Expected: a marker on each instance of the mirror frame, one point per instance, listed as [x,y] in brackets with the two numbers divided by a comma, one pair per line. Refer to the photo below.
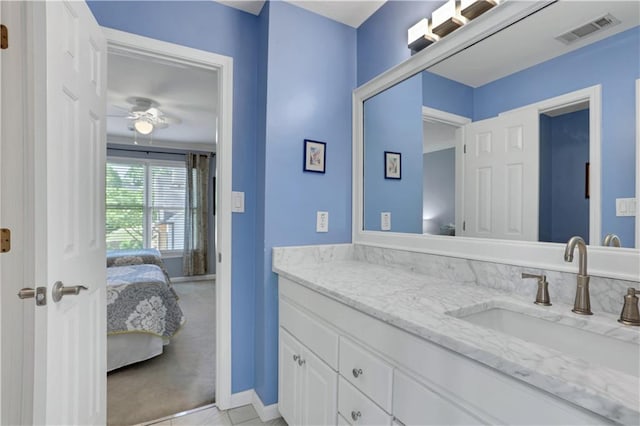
[620,263]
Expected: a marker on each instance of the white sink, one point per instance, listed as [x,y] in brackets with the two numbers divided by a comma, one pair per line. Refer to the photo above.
[596,348]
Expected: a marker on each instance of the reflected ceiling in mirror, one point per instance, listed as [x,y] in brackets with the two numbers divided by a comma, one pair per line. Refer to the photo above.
[524,135]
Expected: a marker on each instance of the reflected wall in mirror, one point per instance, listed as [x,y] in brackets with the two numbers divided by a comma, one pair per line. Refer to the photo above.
[521,136]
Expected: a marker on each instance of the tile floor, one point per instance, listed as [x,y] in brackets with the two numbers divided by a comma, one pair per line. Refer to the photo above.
[245,416]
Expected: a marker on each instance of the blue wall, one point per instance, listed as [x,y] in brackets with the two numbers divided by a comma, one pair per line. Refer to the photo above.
[311,72]
[393,122]
[382,39]
[562,176]
[439,194]
[215,28]
[447,95]
[615,64]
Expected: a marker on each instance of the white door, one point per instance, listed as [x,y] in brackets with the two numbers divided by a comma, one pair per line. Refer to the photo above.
[70,355]
[319,392]
[288,377]
[501,177]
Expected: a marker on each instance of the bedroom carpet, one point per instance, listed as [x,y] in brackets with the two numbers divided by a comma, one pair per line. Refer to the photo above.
[180,379]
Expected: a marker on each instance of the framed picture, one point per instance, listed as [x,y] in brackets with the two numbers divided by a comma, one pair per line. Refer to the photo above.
[392,165]
[315,155]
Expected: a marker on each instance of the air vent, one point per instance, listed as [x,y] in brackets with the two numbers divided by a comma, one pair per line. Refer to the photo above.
[592,27]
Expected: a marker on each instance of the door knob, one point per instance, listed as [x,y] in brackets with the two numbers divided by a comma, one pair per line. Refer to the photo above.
[60,290]
[40,293]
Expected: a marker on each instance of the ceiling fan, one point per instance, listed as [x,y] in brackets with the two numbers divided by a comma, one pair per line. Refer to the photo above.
[145,116]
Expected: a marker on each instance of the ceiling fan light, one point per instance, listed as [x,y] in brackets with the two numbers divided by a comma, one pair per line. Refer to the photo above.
[143,127]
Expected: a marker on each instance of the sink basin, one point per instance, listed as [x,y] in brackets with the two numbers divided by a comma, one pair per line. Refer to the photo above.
[596,348]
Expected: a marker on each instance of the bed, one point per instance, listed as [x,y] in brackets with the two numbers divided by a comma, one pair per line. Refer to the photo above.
[142,314]
[148,256]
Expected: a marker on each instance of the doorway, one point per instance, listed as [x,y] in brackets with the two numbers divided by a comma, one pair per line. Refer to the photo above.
[160,54]
[564,174]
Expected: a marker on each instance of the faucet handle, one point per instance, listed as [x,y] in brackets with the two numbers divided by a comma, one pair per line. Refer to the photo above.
[542,296]
[630,314]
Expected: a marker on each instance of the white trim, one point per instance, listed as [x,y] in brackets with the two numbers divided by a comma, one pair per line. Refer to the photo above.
[621,263]
[240,399]
[637,164]
[429,113]
[266,413]
[194,278]
[224,66]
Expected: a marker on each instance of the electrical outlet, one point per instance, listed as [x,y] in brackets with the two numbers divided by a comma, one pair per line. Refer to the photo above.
[385,221]
[322,222]
[237,202]
[625,206]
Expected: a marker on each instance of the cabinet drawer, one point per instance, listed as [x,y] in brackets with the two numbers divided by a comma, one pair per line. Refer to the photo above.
[367,372]
[316,336]
[357,409]
[415,404]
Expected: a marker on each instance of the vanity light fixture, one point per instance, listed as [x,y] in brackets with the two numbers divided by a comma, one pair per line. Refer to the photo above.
[420,36]
[471,9]
[143,126]
[447,18]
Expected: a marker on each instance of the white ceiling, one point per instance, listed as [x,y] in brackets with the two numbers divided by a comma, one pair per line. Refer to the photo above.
[349,12]
[532,41]
[187,93]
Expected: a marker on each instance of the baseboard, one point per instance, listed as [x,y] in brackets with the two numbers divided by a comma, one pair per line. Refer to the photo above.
[266,413]
[250,396]
[241,398]
[193,278]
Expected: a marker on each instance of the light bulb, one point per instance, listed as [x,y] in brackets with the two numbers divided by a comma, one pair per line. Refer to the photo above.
[143,127]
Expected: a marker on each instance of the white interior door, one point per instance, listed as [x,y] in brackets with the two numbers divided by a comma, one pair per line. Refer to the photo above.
[501,173]
[70,356]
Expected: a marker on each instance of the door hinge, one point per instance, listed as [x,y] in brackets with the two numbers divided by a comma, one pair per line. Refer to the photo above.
[4,37]
[219,257]
[464,225]
[464,148]
[5,240]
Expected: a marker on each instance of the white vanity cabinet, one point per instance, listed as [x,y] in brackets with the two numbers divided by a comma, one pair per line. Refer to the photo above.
[361,370]
[307,385]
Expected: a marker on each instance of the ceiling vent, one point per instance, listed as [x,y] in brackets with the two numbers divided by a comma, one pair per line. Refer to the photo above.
[592,27]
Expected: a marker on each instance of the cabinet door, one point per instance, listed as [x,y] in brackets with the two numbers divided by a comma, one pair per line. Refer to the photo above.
[319,392]
[289,377]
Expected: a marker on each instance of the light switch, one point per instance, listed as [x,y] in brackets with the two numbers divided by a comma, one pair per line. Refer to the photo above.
[237,202]
[625,206]
[385,221]
[322,222]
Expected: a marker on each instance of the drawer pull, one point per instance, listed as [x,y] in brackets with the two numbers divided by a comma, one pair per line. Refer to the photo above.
[357,372]
[355,415]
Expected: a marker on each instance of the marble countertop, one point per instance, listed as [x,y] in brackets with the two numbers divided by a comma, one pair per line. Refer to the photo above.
[427,307]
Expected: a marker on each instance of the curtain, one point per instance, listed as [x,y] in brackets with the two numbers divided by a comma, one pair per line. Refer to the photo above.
[196,241]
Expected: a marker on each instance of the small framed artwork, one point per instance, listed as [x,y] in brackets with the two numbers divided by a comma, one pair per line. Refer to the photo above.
[392,165]
[315,156]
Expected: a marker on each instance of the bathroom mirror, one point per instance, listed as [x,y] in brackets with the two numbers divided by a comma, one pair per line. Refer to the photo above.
[524,134]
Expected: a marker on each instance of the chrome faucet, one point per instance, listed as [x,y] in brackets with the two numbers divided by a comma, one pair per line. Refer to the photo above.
[582,304]
[611,240]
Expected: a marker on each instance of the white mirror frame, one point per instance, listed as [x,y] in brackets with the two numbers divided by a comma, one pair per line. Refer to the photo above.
[620,263]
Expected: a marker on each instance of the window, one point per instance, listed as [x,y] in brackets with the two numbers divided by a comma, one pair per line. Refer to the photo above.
[145,204]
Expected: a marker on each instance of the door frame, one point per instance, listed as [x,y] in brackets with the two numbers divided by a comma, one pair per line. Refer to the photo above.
[637,246]
[19,131]
[224,66]
[458,121]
